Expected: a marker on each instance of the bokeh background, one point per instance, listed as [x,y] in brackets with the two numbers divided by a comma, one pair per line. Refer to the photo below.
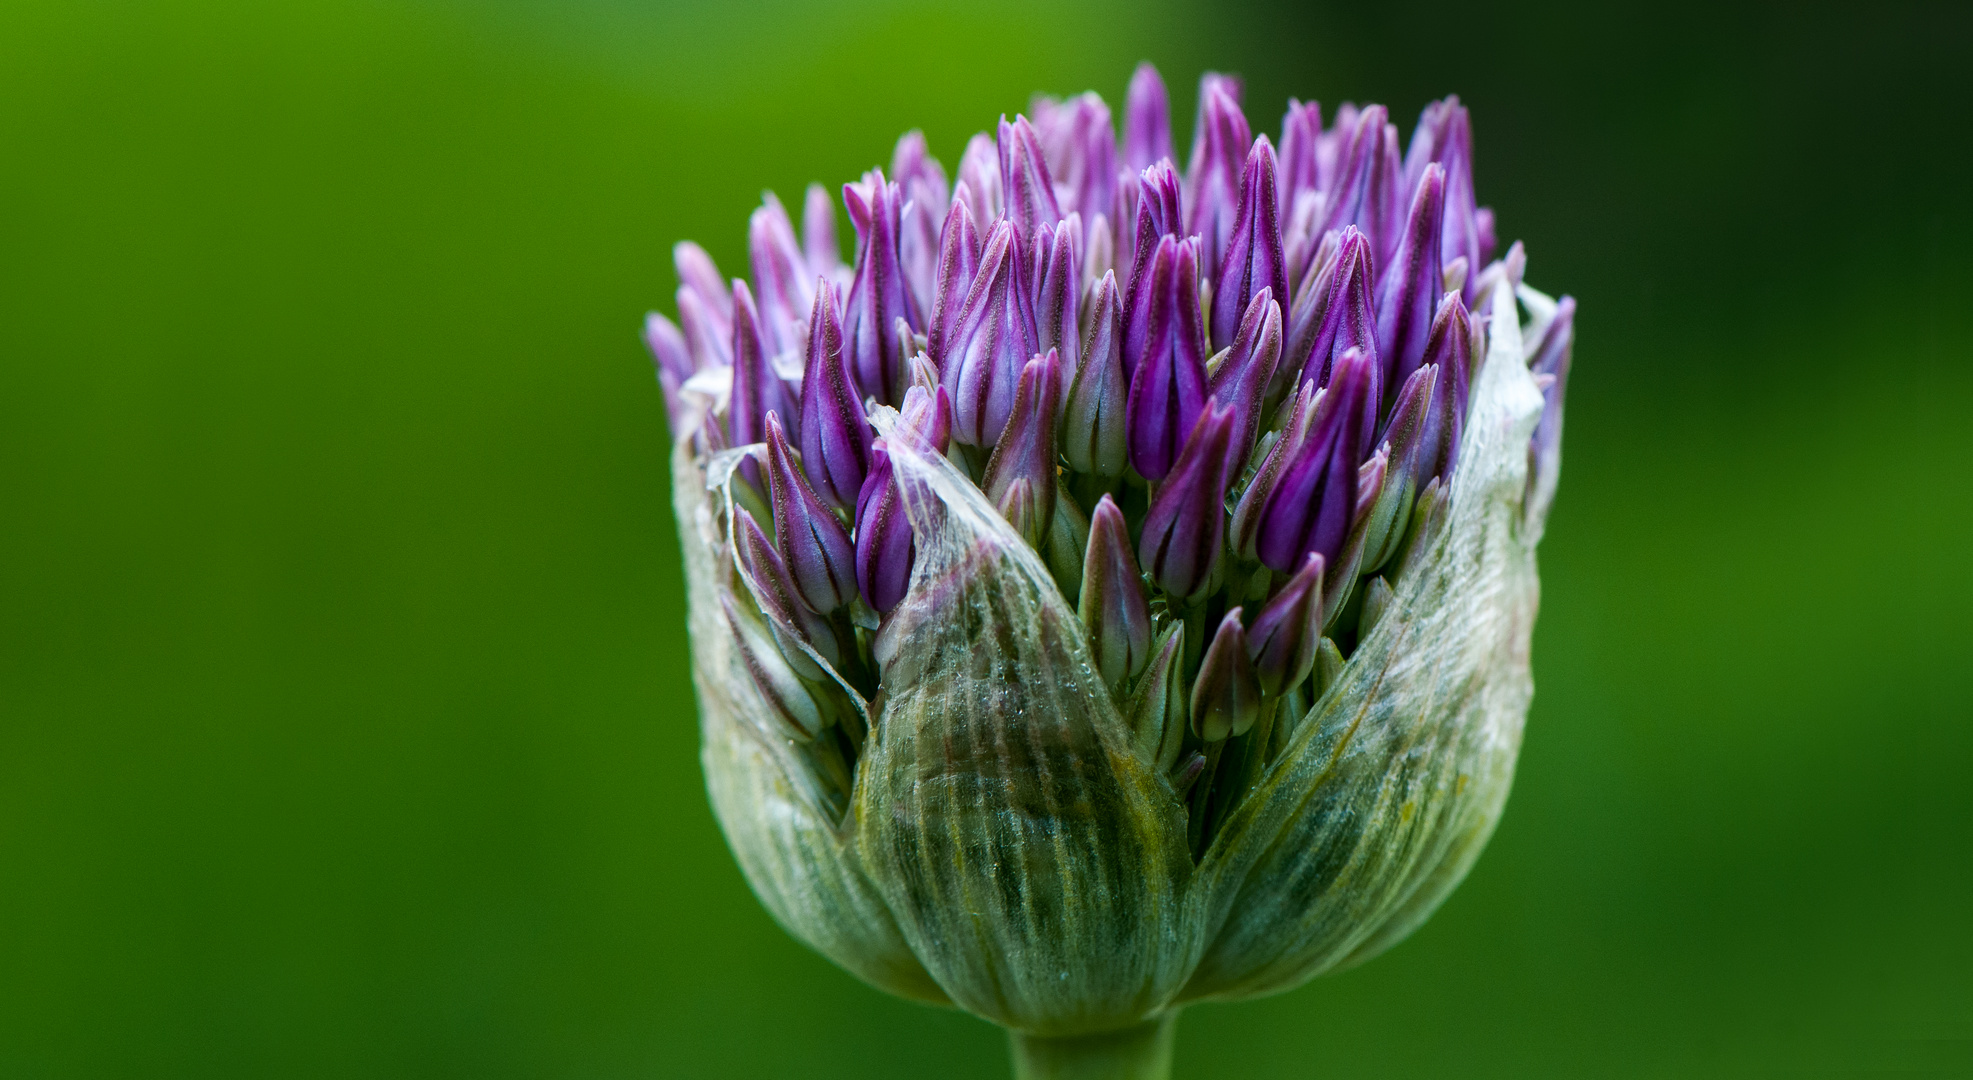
[345,728]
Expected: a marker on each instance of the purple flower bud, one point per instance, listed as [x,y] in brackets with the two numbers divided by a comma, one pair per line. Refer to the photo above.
[1093,427]
[979,180]
[1347,196]
[884,542]
[925,421]
[825,256]
[1157,216]
[1024,180]
[1369,483]
[1453,276]
[1247,515]
[783,278]
[1551,372]
[923,376]
[1160,198]
[1212,176]
[1226,698]
[877,296]
[1061,292]
[1348,317]
[1099,257]
[1253,259]
[994,336]
[1158,212]
[1311,270]
[835,437]
[708,337]
[1288,630]
[1445,136]
[1403,446]
[1314,503]
[1080,146]
[1408,293]
[1186,523]
[1299,237]
[1429,139]
[959,262]
[774,587]
[757,388]
[698,273]
[1449,347]
[1244,377]
[818,552]
[673,359]
[1165,355]
[1113,605]
[1147,120]
[926,198]
[1409,419]
[1329,150]
[1385,199]
[1124,217]
[1301,133]
[1026,450]
[917,172]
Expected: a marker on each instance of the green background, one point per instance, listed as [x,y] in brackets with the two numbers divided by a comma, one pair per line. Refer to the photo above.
[344,720]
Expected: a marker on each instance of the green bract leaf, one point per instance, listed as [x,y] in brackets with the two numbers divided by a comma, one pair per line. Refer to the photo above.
[1033,859]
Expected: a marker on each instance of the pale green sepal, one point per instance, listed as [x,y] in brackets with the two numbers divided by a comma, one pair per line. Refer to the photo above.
[763,792]
[1394,781]
[1068,541]
[1033,859]
[1156,709]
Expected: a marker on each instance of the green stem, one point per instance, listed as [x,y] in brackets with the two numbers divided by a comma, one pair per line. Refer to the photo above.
[1139,1053]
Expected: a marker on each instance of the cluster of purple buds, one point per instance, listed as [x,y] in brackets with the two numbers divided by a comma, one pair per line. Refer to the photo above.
[1214,402]
[1112,588]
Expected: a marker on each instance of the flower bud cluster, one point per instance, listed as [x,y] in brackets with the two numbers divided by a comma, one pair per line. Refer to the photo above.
[1214,404]
[1220,407]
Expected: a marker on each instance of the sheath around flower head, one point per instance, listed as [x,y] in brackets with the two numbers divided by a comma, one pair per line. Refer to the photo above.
[1112,589]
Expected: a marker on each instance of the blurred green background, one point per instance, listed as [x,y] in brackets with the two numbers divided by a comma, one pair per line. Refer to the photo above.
[344,719]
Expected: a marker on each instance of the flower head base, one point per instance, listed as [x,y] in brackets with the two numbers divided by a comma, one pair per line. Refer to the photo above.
[1114,592]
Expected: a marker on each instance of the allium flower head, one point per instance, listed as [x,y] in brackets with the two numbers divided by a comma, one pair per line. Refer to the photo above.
[1112,588]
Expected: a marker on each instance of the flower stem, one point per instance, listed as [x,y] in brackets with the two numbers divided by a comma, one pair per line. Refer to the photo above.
[1139,1053]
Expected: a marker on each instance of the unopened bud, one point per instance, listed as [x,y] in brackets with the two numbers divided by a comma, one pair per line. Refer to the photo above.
[1226,698]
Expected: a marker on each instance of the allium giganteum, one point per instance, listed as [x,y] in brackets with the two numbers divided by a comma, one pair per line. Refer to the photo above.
[1112,590]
